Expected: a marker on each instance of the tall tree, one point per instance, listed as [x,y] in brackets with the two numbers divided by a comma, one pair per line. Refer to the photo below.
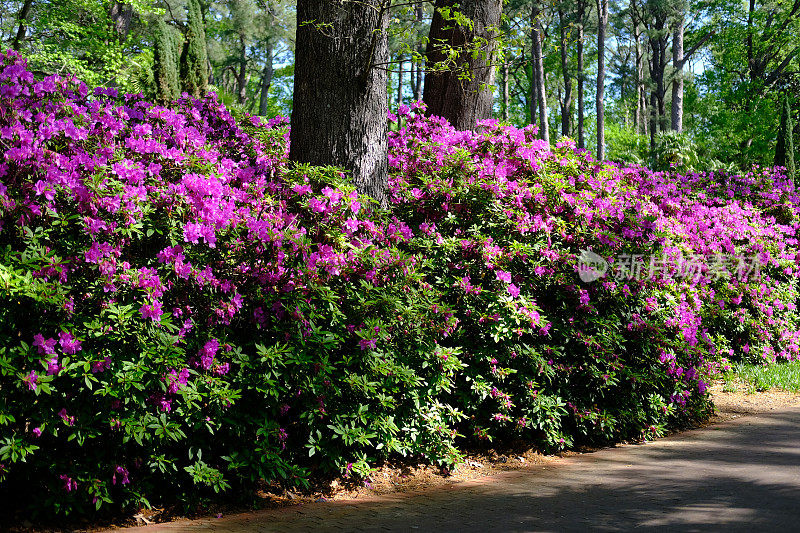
[419,68]
[581,14]
[538,68]
[22,20]
[194,58]
[655,15]
[770,50]
[458,86]
[340,97]
[602,23]
[400,64]
[243,18]
[121,14]
[677,76]
[640,121]
[267,72]
[166,55]
[784,149]
[566,101]
[505,90]
[679,59]
[533,91]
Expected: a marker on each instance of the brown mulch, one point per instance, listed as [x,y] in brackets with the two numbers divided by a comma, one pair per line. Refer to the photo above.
[401,477]
[740,402]
[408,477]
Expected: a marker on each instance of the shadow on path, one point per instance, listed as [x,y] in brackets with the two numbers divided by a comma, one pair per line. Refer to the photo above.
[741,475]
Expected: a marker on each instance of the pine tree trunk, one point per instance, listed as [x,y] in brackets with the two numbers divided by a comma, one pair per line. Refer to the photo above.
[241,76]
[505,90]
[639,120]
[566,102]
[643,98]
[399,80]
[602,22]
[538,70]
[581,134]
[658,47]
[462,102]
[653,120]
[418,81]
[22,19]
[677,82]
[121,13]
[412,77]
[340,100]
[266,80]
[533,94]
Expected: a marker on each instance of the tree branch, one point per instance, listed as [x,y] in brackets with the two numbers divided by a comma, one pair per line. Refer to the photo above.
[696,47]
[779,69]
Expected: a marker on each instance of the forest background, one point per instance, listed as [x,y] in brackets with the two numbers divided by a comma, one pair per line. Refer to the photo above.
[700,84]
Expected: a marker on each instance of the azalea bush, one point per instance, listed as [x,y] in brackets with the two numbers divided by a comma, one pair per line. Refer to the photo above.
[180,316]
[183,313]
[504,221]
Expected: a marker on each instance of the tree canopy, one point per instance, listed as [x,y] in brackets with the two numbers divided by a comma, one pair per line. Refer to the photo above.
[707,79]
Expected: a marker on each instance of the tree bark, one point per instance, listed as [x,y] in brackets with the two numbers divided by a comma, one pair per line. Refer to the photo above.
[462,102]
[418,82]
[266,80]
[581,15]
[602,22]
[122,14]
[399,80]
[22,18]
[566,102]
[677,81]
[658,64]
[241,76]
[418,79]
[653,120]
[538,69]
[505,90]
[533,93]
[640,98]
[643,121]
[412,77]
[662,92]
[340,99]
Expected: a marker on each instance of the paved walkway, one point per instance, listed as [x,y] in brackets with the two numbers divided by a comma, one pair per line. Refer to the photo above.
[740,475]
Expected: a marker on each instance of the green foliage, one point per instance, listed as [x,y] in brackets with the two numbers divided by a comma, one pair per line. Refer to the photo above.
[625,145]
[675,151]
[194,57]
[79,37]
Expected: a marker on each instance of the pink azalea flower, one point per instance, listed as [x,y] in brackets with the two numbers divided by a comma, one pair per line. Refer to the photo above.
[31,380]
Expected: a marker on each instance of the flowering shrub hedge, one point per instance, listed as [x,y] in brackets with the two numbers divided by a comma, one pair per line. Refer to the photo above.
[182,313]
[503,222]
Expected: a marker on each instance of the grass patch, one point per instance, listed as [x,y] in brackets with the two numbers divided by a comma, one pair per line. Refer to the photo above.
[784,376]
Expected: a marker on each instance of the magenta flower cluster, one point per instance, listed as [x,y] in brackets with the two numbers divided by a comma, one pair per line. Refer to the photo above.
[182,307]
